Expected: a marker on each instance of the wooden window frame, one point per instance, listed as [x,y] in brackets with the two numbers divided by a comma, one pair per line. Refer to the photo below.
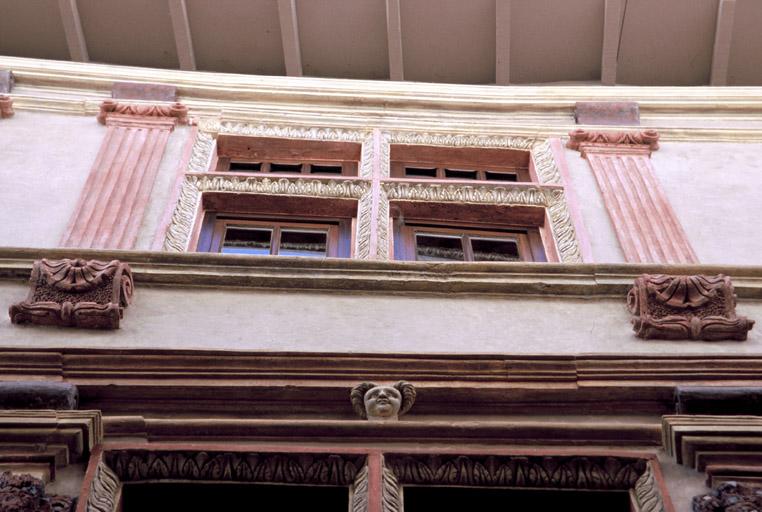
[398,170]
[530,243]
[215,224]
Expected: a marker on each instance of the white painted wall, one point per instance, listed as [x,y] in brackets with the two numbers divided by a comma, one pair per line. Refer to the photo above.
[44,162]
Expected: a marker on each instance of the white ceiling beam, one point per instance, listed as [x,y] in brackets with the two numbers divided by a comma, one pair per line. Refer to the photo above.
[613,19]
[394,39]
[178,12]
[723,36]
[502,42]
[289,32]
[75,37]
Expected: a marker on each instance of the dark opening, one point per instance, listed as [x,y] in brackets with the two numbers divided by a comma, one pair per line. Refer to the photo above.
[202,497]
[246,166]
[325,169]
[452,499]
[458,174]
[285,167]
[432,247]
[501,176]
[420,172]
[246,241]
[494,249]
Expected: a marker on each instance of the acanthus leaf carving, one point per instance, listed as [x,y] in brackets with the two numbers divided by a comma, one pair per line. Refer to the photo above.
[76,293]
[175,110]
[25,493]
[694,307]
[578,139]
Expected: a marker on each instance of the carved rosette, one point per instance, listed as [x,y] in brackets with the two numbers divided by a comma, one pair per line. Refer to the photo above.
[76,293]
[6,106]
[686,307]
[729,497]
[24,493]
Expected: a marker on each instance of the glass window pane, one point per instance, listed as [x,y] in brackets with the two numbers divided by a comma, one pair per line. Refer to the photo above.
[460,174]
[495,249]
[240,240]
[431,247]
[312,244]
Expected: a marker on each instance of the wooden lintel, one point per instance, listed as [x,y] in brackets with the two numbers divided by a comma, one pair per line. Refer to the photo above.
[612,35]
[502,42]
[722,39]
[394,39]
[178,12]
[289,31]
[75,37]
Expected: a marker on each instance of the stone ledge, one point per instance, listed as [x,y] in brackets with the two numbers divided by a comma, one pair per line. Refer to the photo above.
[230,271]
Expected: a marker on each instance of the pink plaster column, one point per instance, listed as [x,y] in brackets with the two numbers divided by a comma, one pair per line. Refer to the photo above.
[643,219]
[110,210]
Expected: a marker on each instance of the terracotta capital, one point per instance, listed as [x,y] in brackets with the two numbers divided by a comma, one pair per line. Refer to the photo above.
[583,140]
[175,112]
[6,106]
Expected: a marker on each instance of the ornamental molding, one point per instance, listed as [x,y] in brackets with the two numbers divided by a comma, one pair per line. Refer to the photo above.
[25,493]
[76,293]
[694,307]
[112,109]
[105,489]
[194,185]
[6,106]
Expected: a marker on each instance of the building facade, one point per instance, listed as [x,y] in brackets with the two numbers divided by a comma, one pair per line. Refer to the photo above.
[333,293]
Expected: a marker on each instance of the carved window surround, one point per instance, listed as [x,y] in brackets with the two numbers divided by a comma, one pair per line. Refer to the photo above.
[111,207]
[645,224]
[376,480]
[372,188]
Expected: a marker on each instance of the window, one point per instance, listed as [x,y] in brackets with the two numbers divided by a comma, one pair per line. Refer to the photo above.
[312,239]
[263,155]
[469,164]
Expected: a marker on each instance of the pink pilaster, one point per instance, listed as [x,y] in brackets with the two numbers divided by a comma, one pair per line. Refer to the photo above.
[643,219]
[111,207]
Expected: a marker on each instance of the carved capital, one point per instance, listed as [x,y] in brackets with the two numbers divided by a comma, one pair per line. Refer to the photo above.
[686,307]
[6,106]
[618,142]
[729,497]
[76,293]
[382,403]
[24,493]
[112,109]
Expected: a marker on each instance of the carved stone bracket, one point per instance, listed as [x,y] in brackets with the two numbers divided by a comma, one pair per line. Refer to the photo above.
[6,106]
[686,307]
[24,493]
[730,497]
[76,293]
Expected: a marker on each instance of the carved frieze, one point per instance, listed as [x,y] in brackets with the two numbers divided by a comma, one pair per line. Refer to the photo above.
[686,307]
[382,403]
[24,493]
[729,497]
[113,107]
[6,106]
[76,293]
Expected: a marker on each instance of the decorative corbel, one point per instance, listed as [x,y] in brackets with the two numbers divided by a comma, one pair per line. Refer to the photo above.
[382,403]
[686,307]
[76,293]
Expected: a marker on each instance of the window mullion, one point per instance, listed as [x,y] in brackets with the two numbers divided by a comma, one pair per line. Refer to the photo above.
[468,251]
[275,241]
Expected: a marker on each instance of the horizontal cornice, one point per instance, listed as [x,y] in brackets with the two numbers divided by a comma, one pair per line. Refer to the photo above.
[680,113]
[230,271]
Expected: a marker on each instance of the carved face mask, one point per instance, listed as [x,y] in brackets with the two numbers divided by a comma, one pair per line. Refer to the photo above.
[382,403]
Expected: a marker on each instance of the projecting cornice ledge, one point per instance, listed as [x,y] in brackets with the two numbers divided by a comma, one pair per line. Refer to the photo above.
[200,269]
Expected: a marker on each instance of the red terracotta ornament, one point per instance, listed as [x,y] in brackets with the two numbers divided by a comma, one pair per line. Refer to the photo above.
[6,106]
[686,307]
[113,107]
[76,293]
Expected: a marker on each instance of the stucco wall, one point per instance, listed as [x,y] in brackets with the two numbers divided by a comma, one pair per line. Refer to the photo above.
[267,320]
[44,162]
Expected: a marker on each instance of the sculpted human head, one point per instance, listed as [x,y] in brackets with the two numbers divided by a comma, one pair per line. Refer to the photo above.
[382,402]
